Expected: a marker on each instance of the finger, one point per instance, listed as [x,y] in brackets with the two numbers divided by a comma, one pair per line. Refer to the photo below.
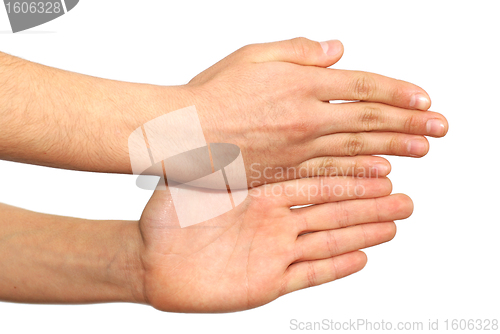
[306,274]
[330,243]
[161,213]
[299,50]
[334,84]
[349,213]
[360,166]
[327,189]
[366,117]
[369,143]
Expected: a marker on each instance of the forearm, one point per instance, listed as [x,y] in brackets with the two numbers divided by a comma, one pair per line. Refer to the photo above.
[54,259]
[62,119]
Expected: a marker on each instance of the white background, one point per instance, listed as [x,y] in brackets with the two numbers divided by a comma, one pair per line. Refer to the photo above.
[443,264]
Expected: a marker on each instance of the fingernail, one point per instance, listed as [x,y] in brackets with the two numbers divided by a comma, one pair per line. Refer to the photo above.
[331,48]
[419,101]
[435,127]
[417,147]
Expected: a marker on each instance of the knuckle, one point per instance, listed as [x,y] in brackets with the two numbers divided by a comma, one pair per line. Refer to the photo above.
[354,145]
[363,87]
[246,50]
[335,268]
[364,236]
[302,226]
[411,124]
[359,183]
[299,127]
[326,166]
[399,91]
[358,166]
[332,243]
[300,39]
[394,144]
[311,274]
[301,47]
[342,215]
[325,195]
[376,209]
[371,118]
[298,252]
[295,128]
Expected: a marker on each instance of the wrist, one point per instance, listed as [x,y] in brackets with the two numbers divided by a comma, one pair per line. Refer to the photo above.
[125,266]
[54,259]
[137,104]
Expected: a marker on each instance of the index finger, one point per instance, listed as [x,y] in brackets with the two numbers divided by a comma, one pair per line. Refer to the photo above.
[326,189]
[333,84]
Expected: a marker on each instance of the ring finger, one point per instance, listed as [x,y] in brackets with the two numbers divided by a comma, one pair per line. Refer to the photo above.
[367,116]
[370,143]
[330,243]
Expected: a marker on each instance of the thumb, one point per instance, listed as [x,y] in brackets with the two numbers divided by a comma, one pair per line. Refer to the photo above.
[301,51]
[160,210]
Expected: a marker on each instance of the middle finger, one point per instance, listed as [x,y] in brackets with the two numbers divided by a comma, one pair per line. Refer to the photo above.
[367,117]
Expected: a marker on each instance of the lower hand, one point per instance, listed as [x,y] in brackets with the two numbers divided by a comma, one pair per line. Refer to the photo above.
[262,249]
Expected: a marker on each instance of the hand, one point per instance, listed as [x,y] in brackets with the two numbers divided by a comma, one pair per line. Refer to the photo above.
[262,249]
[269,99]
[272,101]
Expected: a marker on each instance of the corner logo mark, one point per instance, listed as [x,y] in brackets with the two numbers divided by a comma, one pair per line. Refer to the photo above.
[204,180]
[28,14]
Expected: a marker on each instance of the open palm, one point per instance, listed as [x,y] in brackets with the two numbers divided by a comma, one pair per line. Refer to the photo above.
[263,249]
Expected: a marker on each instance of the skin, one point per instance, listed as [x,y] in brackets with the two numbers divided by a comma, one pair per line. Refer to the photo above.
[269,99]
[245,258]
[272,100]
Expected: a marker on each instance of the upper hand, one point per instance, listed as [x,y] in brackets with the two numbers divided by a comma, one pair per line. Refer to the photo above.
[272,100]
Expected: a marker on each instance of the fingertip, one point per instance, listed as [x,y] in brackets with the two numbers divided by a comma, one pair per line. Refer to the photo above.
[446,127]
[437,127]
[388,185]
[363,259]
[411,205]
[299,50]
[427,146]
[403,205]
[390,166]
[382,167]
[391,230]
[350,263]
[417,147]
[333,49]
[420,101]
[379,187]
